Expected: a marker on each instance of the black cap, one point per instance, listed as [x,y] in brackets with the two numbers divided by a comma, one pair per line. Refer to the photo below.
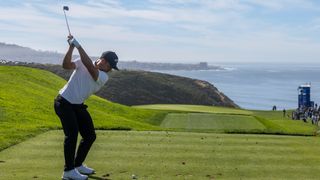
[112,58]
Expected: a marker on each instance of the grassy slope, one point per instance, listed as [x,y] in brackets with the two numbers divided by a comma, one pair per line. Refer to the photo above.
[276,123]
[170,155]
[26,107]
[273,121]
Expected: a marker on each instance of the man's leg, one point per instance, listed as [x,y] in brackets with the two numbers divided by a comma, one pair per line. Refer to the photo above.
[87,132]
[70,128]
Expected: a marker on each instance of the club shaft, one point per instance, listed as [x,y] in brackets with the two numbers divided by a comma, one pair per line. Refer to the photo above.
[66,21]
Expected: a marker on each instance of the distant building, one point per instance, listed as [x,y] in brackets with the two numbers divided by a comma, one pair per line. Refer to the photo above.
[304,96]
[203,65]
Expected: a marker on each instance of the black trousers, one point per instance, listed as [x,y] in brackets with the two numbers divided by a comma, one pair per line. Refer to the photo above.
[75,118]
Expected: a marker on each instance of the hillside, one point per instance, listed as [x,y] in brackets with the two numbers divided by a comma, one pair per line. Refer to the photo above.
[26,107]
[18,53]
[141,87]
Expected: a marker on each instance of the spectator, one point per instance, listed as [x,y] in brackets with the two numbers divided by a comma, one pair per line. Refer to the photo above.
[294,115]
[274,108]
[313,119]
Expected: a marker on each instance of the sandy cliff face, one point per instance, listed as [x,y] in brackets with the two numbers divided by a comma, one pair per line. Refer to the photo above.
[141,87]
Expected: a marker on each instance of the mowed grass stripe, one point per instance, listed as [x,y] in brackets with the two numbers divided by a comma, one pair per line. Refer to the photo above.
[195,108]
[273,121]
[215,122]
[170,155]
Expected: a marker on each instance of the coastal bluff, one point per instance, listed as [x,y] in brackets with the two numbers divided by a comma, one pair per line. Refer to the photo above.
[138,87]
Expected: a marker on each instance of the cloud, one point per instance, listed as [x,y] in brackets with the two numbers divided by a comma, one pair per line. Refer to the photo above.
[283,4]
[104,3]
[28,19]
[199,29]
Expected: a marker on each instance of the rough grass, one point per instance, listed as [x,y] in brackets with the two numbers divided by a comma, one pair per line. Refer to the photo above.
[26,107]
[170,155]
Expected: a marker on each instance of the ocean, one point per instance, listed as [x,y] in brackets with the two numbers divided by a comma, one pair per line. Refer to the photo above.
[260,86]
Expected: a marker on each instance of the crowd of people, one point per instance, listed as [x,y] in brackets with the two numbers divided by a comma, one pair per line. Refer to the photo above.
[305,113]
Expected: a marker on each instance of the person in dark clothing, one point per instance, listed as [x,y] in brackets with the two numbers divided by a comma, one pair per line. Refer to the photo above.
[86,79]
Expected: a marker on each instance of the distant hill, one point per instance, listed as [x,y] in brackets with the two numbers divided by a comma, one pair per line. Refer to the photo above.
[18,53]
[149,66]
[12,52]
[143,87]
[130,87]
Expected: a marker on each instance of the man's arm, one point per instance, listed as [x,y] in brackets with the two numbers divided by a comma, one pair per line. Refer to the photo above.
[88,63]
[67,63]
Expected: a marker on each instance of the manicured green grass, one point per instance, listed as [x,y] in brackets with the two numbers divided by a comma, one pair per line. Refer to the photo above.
[212,122]
[195,108]
[26,107]
[273,121]
[271,114]
[170,155]
[277,123]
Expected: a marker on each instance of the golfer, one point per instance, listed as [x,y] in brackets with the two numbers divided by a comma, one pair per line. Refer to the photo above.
[86,79]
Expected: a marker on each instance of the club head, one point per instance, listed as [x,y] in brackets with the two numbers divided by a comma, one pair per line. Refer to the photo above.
[66,8]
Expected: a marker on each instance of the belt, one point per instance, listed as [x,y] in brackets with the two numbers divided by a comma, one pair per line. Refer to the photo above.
[64,101]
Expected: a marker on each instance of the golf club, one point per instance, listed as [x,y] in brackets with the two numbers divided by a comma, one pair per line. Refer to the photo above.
[66,8]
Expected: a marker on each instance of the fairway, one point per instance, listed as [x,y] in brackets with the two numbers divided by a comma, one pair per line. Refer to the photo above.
[170,155]
[211,122]
[228,120]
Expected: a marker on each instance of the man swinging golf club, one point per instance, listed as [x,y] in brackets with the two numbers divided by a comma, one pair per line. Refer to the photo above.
[86,79]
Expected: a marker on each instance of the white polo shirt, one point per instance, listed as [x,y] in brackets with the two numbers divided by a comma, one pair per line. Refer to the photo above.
[81,85]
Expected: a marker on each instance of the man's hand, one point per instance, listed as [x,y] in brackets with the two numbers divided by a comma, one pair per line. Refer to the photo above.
[73,42]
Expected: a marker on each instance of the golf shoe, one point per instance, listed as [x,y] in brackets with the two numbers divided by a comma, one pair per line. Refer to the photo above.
[83,169]
[73,175]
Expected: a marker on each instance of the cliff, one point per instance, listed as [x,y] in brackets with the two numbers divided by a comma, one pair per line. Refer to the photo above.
[131,87]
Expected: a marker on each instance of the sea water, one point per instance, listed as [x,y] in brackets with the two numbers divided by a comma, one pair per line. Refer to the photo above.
[261,86]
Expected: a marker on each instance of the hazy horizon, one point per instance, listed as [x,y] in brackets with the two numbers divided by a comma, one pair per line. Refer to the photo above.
[212,62]
[230,31]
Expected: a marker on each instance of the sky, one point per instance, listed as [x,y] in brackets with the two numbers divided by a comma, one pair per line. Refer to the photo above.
[179,31]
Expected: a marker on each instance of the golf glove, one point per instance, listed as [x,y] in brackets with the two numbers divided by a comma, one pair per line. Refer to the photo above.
[74,42]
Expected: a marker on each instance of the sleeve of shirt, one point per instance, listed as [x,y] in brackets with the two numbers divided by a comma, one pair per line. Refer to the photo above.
[102,78]
[78,63]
